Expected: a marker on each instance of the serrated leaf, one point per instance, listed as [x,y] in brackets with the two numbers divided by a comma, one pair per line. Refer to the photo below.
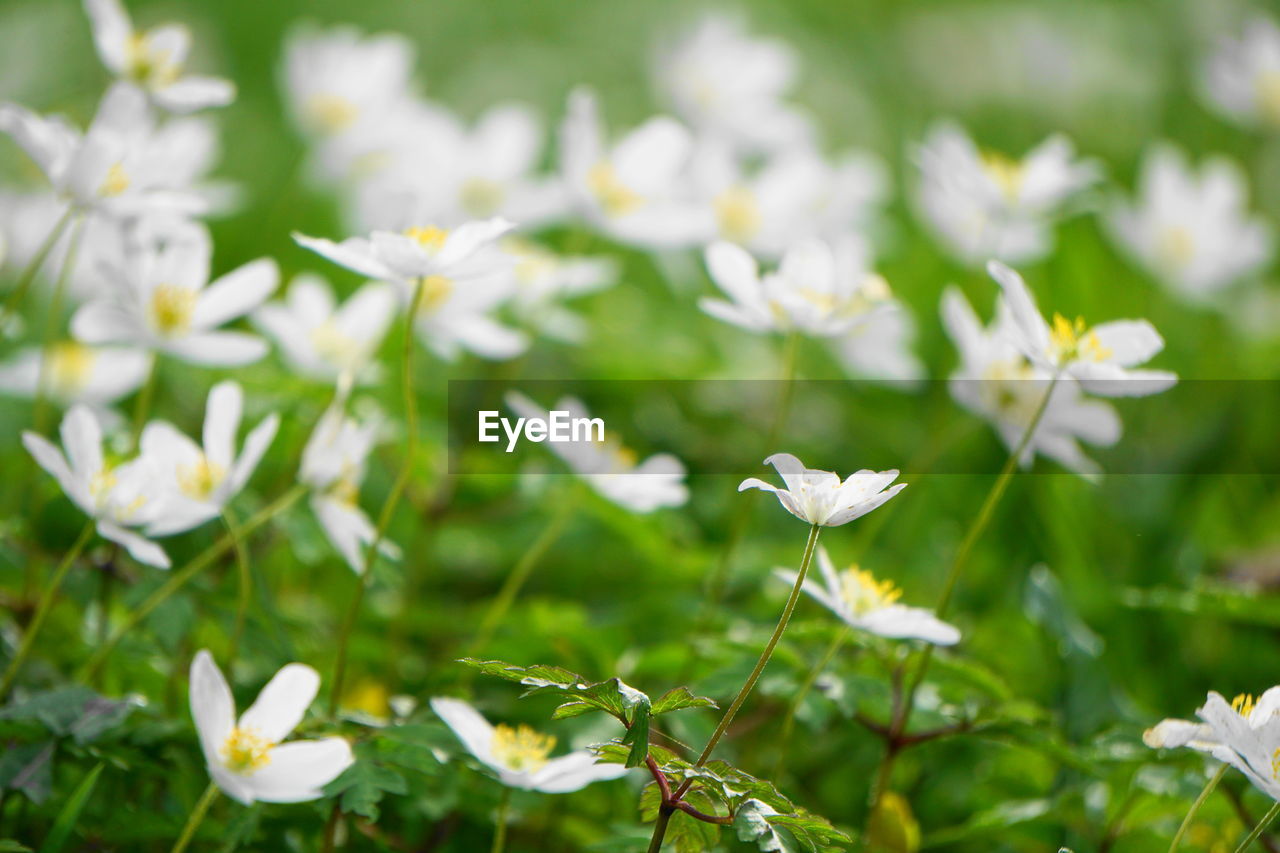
[679,699]
[362,786]
[613,696]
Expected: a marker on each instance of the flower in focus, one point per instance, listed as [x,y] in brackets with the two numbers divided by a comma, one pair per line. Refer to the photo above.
[463,274]
[163,301]
[818,289]
[520,756]
[996,382]
[117,497]
[199,481]
[1191,231]
[730,85]
[1243,733]
[637,190]
[245,757]
[871,605]
[615,471]
[1241,80]
[820,497]
[1099,357]
[153,60]
[95,376]
[333,467]
[323,340]
[985,205]
[543,279]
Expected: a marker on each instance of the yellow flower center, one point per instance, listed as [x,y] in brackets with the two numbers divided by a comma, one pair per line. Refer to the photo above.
[101,484]
[149,65]
[345,489]
[1267,92]
[428,236]
[171,308]
[1176,246]
[615,197]
[738,214]
[70,364]
[116,182]
[333,346]
[1005,172]
[198,480]
[1243,704]
[1275,765]
[1072,342]
[863,593]
[436,290]
[330,113]
[521,748]
[532,261]
[481,197]
[245,751]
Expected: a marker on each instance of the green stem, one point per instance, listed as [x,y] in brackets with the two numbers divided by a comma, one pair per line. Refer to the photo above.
[1195,807]
[245,585]
[196,818]
[389,505]
[1260,828]
[660,829]
[181,577]
[51,323]
[500,829]
[142,406]
[19,291]
[789,722]
[750,684]
[42,610]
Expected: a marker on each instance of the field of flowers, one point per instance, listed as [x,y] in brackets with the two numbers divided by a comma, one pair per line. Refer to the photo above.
[638,426]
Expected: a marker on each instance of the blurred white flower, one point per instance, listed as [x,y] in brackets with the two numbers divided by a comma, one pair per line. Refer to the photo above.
[638,191]
[1242,733]
[245,757]
[1191,231]
[520,755]
[820,497]
[985,205]
[333,467]
[1241,79]
[544,279]
[464,277]
[1098,357]
[731,85]
[871,605]
[163,301]
[882,349]
[323,340]
[818,289]
[95,376]
[996,382]
[613,470]
[117,497]
[153,60]
[199,481]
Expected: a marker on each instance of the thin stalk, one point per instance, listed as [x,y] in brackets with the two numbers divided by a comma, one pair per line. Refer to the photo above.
[1260,828]
[42,609]
[245,586]
[196,818]
[660,829]
[180,578]
[142,406]
[51,323]
[500,829]
[1195,807]
[20,289]
[389,505]
[789,722]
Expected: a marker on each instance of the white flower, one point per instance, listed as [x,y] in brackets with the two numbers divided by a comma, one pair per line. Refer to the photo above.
[821,497]
[520,755]
[153,60]
[124,166]
[638,190]
[543,279]
[464,277]
[199,481]
[1241,80]
[322,340]
[1191,231]
[996,382]
[1099,357]
[164,302]
[871,605]
[333,467]
[985,205]
[75,373]
[1242,733]
[116,497]
[610,468]
[882,349]
[818,289]
[245,757]
[729,84]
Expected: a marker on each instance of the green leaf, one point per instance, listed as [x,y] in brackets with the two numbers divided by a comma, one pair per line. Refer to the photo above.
[8,845]
[679,699]
[70,813]
[626,704]
[28,768]
[75,711]
[362,786]
[242,828]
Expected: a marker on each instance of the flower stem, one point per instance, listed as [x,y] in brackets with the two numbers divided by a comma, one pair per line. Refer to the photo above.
[1260,828]
[196,818]
[19,291]
[750,684]
[51,323]
[789,722]
[246,582]
[1195,807]
[389,505]
[142,406]
[660,829]
[500,826]
[42,610]
[181,577]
